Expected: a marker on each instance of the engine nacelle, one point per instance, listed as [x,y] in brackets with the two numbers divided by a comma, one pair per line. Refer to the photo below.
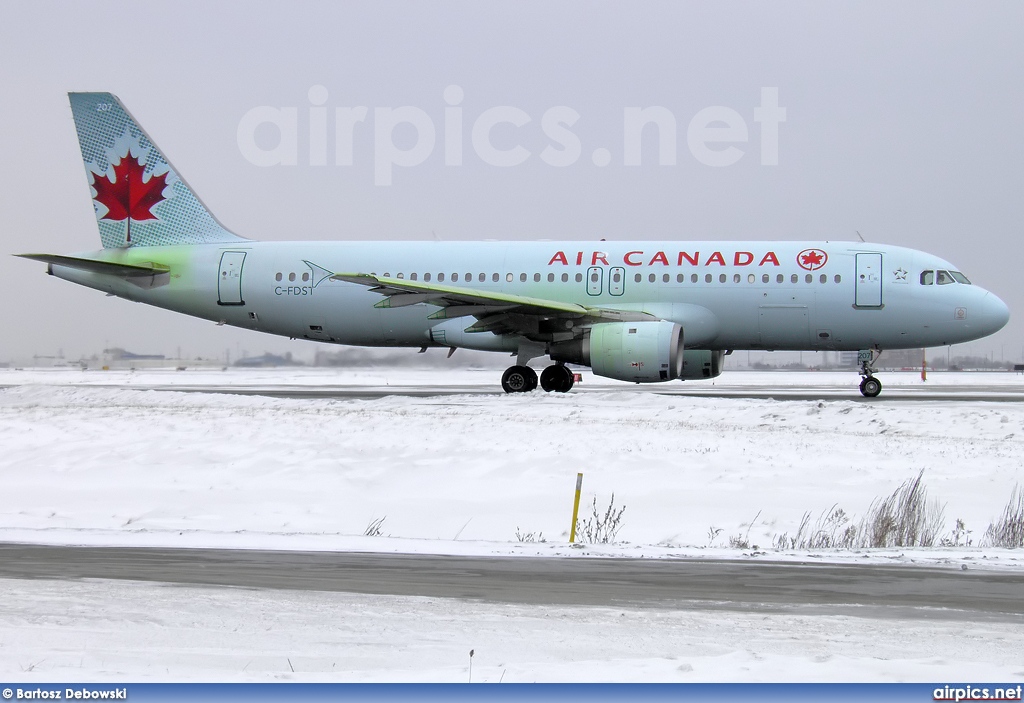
[701,363]
[452,333]
[642,352]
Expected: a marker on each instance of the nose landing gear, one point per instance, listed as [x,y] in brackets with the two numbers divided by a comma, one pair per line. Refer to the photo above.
[870,386]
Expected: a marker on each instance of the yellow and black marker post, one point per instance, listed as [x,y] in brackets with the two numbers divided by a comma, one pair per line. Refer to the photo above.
[575,508]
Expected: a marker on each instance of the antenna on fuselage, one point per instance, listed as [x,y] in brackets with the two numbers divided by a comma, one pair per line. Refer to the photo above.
[858,236]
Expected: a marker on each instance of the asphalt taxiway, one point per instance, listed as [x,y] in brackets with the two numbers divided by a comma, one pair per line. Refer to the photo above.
[973,393]
[868,589]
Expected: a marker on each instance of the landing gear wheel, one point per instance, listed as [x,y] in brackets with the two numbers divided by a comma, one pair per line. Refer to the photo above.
[556,378]
[519,379]
[870,387]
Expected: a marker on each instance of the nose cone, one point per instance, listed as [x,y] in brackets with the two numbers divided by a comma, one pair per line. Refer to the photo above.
[995,313]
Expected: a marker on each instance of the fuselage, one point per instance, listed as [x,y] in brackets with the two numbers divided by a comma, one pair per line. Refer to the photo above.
[726,295]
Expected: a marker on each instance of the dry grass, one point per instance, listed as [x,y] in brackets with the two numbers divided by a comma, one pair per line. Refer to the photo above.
[601,528]
[906,518]
[1008,530]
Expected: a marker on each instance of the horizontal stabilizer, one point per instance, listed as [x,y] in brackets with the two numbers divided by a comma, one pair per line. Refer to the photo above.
[97,266]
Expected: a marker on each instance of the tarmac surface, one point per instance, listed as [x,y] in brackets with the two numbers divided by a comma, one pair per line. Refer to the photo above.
[866,590]
[697,389]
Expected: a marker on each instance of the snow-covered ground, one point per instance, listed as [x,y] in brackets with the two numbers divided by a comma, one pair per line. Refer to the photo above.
[462,473]
[128,631]
[92,458]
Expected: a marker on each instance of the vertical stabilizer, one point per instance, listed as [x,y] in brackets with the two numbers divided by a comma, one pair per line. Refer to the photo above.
[138,197]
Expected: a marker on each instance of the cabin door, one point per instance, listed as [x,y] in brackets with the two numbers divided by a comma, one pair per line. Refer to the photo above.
[869,281]
[229,280]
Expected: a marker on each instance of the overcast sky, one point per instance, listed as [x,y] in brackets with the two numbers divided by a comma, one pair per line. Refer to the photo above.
[903,121]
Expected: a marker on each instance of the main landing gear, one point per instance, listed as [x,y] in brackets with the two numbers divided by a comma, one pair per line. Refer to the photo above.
[557,378]
[519,379]
[523,379]
[870,386]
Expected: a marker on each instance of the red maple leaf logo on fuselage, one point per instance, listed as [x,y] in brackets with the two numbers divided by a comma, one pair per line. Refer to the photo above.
[128,196]
[811,259]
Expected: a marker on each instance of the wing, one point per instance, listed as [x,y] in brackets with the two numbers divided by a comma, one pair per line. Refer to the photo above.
[501,313]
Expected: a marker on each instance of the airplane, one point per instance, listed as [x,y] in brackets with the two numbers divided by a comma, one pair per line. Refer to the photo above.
[637,311]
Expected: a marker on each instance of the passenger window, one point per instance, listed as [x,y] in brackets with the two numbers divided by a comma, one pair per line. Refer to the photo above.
[305,277]
[736,278]
[579,277]
[469,278]
[765,278]
[412,276]
[680,278]
[808,278]
[942,278]
[693,278]
[794,278]
[565,278]
[400,275]
[722,278]
[617,277]
[838,278]
[509,277]
[455,278]
[495,277]
[536,278]
[665,278]
[551,278]
[652,278]
[707,278]
[386,275]
[751,278]
[927,278]
[637,278]
[278,277]
[780,278]
[522,278]
[426,278]
[440,277]
[823,278]
[291,276]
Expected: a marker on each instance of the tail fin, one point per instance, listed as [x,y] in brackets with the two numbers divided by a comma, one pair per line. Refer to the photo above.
[139,198]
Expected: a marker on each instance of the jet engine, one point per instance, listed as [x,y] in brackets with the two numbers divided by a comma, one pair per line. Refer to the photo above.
[701,363]
[643,352]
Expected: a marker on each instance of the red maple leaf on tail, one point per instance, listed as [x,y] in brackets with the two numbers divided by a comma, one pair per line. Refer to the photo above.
[127,196]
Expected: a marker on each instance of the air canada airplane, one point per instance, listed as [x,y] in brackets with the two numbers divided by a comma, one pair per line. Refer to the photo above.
[639,311]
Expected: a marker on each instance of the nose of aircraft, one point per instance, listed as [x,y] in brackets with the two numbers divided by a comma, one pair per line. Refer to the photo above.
[995,313]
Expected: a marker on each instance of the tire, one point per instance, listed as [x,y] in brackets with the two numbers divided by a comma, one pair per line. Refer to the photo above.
[556,378]
[519,379]
[870,387]
[531,377]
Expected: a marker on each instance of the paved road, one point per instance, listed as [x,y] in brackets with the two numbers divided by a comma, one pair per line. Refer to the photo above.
[876,590]
[895,394]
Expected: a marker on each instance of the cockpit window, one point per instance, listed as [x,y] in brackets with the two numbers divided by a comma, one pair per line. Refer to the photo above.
[927,278]
[960,278]
[942,278]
